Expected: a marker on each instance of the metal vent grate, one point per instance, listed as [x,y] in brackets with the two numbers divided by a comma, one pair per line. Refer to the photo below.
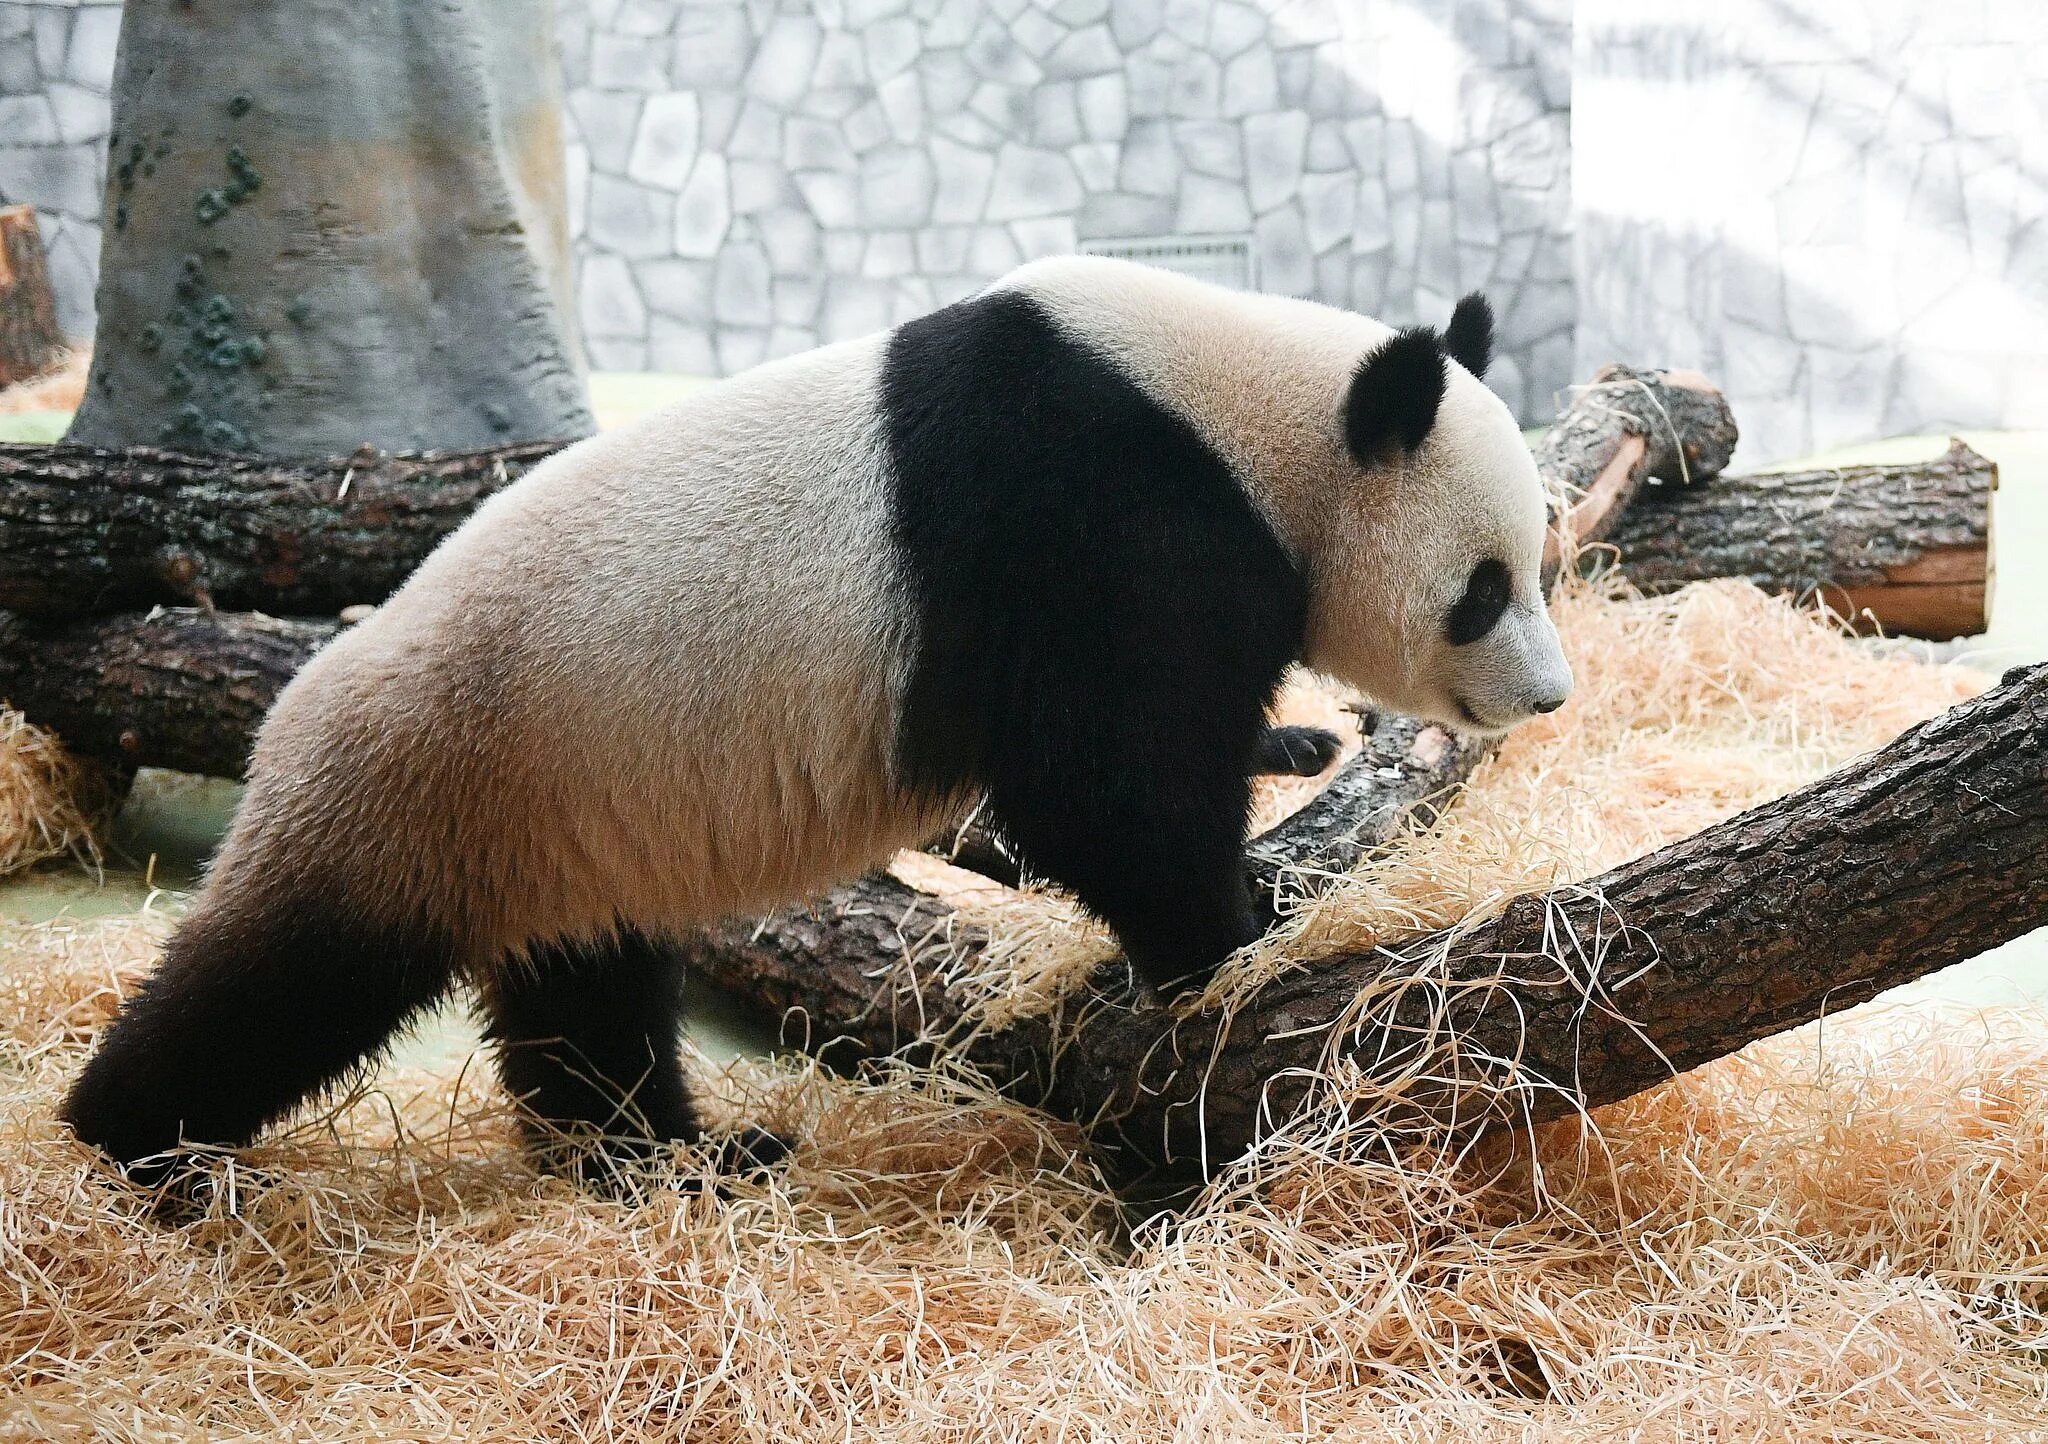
[1224,260]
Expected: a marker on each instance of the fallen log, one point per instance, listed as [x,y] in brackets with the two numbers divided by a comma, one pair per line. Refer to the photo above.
[1622,429]
[1924,854]
[1905,547]
[91,531]
[176,687]
[30,342]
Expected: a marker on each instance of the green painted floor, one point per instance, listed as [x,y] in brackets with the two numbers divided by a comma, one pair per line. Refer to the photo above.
[171,823]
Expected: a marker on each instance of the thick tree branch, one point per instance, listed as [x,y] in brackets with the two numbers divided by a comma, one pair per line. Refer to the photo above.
[95,531]
[174,687]
[1907,544]
[1931,850]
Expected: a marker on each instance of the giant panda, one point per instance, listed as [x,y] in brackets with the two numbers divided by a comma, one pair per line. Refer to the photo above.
[1054,544]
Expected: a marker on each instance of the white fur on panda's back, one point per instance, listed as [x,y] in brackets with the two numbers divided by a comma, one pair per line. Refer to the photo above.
[653,681]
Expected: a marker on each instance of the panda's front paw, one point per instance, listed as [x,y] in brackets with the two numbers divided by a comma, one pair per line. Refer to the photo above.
[1296,751]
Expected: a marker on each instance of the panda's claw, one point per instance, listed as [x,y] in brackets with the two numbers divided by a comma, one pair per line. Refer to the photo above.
[1296,751]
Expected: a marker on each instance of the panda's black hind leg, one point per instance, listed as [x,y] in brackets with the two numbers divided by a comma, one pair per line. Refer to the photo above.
[586,1035]
[263,999]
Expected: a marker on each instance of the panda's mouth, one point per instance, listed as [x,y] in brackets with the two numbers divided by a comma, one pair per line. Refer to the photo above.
[1483,724]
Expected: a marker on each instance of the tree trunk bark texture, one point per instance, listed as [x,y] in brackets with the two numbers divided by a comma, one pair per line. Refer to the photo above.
[1922,855]
[1622,429]
[335,225]
[30,342]
[1904,546]
[175,687]
[92,531]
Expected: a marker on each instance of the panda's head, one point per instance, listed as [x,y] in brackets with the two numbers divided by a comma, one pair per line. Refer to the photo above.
[1425,586]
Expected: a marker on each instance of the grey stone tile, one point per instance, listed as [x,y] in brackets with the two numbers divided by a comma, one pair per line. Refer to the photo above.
[89,58]
[633,220]
[833,198]
[1031,182]
[677,288]
[1095,162]
[1251,83]
[1085,52]
[712,46]
[740,282]
[1133,23]
[897,187]
[1118,214]
[624,62]
[703,208]
[665,141]
[891,47]
[607,299]
[607,122]
[1210,206]
[963,177]
[1103,101]
[783,60]
[1211,148]
[27,120]
[1276,148]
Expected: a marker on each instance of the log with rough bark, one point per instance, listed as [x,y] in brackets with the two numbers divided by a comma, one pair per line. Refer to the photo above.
[1924,854]
[94,531]
[1905,546]
[1620,430]
[175,687]
[30,342]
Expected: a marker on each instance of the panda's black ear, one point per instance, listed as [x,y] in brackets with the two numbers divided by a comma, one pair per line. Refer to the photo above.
[1394,394]
[1469,337]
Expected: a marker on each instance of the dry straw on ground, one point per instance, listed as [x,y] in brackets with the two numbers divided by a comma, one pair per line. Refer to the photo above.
[58,389]
[1839,1235]
[51,805]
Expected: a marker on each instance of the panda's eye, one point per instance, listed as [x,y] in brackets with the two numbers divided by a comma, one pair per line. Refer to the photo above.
[1486,597]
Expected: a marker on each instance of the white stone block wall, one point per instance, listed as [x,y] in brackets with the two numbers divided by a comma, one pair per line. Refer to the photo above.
[56,63]
[1836,208]
[754,177]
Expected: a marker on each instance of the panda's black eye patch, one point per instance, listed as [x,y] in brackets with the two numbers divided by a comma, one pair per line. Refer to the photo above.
[1486,597]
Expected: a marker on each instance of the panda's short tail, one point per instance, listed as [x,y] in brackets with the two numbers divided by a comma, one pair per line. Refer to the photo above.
[258,1005]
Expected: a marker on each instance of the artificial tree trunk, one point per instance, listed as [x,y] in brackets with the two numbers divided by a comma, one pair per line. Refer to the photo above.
[333,224]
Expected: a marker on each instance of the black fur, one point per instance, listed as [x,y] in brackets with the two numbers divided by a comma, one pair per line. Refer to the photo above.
[254,1009]
[1297,751]
[1394,395]
[1102,619]
[586,1038]
[1486,596]
[1469,337]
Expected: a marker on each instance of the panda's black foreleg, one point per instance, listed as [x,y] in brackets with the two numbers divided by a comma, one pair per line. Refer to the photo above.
[1150,838]
[586,1035]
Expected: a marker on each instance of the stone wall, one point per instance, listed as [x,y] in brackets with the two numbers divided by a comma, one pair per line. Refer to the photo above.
[1836,208]
[755,178]
[56,62]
